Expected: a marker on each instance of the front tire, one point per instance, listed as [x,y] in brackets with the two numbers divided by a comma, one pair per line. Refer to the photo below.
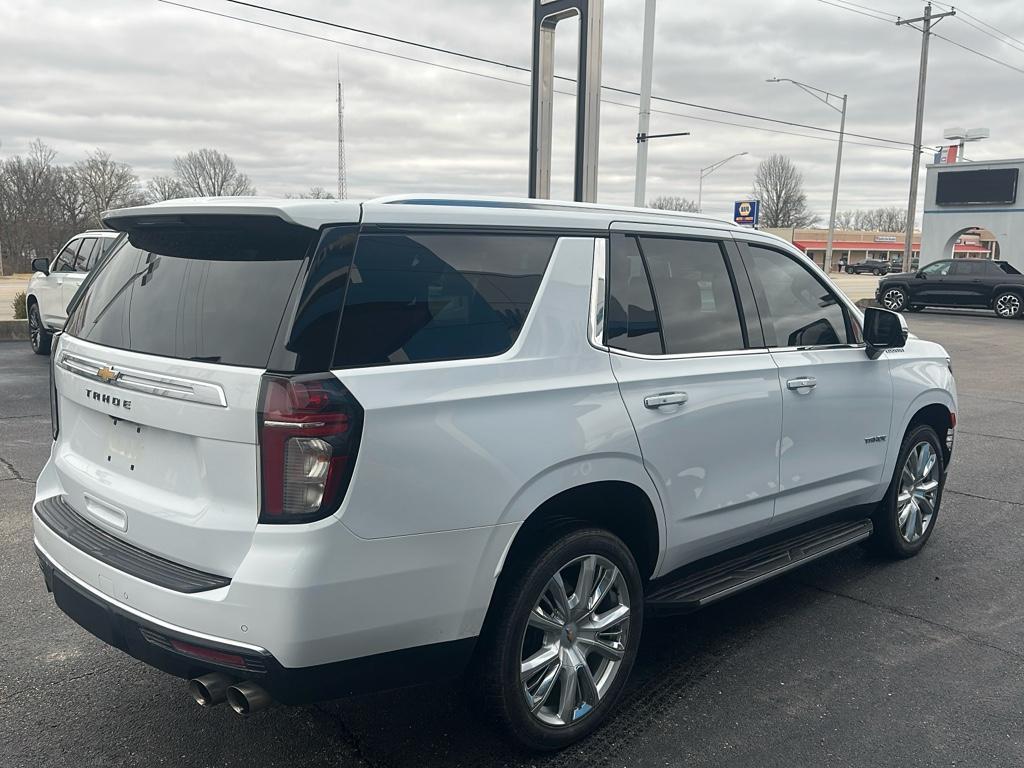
[894,299]
[1008,305]
[38,336]
[906,517]
[876,272]
[849,270]
[564,640]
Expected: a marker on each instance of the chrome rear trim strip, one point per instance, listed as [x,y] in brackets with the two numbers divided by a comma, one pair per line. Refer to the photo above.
[151,383]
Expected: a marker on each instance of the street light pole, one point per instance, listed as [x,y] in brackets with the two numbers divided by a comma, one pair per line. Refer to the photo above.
[824,96]
[707,172]
[646,75]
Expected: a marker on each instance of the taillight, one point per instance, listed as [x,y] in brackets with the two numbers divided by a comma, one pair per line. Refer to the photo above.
[309,434]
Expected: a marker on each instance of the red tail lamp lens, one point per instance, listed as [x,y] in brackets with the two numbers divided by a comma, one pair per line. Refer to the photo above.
[309,434]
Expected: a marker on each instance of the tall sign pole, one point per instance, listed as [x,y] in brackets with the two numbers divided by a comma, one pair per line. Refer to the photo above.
[926,21]
[644,123]
[546,15]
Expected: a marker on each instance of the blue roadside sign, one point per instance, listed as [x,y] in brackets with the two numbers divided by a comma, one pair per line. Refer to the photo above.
[745,212]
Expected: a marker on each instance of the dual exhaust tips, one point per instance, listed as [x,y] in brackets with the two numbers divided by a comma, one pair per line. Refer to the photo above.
[214,688]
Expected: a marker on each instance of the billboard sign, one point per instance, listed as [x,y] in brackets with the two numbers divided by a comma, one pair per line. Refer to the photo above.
[746,212]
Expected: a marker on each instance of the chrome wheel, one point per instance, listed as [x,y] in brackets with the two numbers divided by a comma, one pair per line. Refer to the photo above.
[894,299]
[1008,305]
[575,640]
[919,491]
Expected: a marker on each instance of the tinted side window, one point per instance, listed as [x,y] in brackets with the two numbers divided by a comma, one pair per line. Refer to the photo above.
[631,320]
[797,310]
[85,254]
[66,258]
[694,294]
[1005,268]
[937,269]
[214,293]
[416,297]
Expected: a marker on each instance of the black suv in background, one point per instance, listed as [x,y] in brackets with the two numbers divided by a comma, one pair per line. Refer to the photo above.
[874,266]
[967,283]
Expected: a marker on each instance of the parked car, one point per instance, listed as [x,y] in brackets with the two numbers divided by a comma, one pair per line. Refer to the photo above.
[53,285]
[968,283]
[305,449]
[872,266]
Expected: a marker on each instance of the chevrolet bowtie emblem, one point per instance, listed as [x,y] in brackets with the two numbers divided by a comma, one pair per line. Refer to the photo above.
[108,374]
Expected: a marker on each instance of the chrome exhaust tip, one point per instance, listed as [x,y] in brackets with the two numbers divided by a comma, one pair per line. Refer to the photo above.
[209,690]
[246,698]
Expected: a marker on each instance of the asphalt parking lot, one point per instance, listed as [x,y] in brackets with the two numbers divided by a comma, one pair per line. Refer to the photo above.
[851,661]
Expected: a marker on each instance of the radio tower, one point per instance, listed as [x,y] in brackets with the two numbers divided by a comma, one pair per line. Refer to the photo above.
[342,181]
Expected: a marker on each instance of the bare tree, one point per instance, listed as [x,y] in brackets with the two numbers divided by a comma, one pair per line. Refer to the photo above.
[161,188]
[846,219]
[105,184]
[673,203]
[780,188]
[40,206]
[209,173]
[315,192]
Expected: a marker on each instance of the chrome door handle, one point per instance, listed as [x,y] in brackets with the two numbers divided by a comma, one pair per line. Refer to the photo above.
[666,398]
[804,382]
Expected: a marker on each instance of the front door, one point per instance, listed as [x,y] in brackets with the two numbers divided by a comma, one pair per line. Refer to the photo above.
[74,279]
[52,308]
[704,399]
[836,403]
[931,286]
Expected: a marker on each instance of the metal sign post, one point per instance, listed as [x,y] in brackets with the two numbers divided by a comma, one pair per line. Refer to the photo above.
[546,15]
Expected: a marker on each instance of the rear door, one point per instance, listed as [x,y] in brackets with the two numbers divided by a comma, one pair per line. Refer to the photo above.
[702,392]
[158,376]
[968,284]
[837,404]
[74,279]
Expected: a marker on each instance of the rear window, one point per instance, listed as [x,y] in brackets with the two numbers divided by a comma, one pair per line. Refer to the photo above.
[416,297]
[210,293]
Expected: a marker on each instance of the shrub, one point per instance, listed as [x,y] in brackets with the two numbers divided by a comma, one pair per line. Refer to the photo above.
[20,306]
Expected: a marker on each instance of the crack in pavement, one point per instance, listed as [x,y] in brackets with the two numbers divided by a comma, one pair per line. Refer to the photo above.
[984,434]
[25,416]
[14,471]
[984,498]
[347,735]
[967,636]
[62,681]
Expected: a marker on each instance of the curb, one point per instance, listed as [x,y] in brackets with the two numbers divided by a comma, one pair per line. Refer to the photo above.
[13,330]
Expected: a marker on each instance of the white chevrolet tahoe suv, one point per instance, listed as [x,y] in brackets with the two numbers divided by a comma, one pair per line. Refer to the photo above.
[53,285]
[304,449]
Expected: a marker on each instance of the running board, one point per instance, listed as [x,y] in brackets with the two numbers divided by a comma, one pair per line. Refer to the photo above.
[696,589]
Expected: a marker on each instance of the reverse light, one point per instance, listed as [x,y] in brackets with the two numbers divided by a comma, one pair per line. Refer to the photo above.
[309,430]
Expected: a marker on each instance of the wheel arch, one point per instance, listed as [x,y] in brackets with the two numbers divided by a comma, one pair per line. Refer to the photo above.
[939,415]
[999,289]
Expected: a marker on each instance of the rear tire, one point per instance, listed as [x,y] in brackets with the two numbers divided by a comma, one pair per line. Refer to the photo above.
[552,666]
[38,336]
[849,270]
[876,272]
[1008,305]
[906,517]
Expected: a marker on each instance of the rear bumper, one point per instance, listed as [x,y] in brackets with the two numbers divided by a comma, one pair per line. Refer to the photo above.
[172,649]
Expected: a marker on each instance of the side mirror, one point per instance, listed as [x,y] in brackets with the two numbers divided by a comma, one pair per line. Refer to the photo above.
[41,265]
[883,330]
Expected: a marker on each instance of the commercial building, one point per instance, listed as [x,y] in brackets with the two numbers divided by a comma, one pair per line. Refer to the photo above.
[852,246]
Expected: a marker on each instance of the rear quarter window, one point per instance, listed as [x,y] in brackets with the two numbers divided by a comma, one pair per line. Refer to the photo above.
[417,297]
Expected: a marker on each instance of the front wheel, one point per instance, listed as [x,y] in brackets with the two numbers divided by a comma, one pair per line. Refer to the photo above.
[849,270]
[876,272]
[565,640]
[894,299]
[906,516]
[1007,305]
[38,336]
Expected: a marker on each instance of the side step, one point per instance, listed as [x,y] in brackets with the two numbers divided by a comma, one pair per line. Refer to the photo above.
[697,589]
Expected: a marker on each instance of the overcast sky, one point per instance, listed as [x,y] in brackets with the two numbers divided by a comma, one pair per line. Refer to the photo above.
[146,81]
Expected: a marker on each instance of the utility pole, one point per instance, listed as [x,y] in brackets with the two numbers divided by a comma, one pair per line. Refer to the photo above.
[927,21]
[646,75]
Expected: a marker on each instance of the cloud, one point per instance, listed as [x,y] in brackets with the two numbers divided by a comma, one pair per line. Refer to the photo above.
[147,81]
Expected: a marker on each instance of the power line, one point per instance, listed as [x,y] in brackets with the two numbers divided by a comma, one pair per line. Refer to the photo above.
[495,62]
[854,10]
[999,34]
[960,45]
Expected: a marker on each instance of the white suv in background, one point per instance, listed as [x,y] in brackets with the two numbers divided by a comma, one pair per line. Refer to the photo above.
[304,449]
[53,285]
